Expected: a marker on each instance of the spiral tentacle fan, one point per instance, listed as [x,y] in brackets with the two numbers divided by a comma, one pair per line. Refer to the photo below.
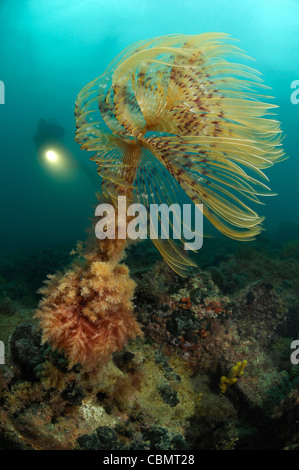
[175,114]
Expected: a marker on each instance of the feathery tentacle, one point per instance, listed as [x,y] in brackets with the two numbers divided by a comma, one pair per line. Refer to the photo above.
[173,112]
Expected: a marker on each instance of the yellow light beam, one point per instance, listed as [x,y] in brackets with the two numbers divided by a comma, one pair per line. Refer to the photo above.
[52,156]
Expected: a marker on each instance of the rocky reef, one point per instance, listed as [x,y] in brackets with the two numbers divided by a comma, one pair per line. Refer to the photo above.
[209,368]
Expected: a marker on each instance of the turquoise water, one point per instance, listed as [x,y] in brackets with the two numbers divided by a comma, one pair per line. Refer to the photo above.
[49,51]
[241,299]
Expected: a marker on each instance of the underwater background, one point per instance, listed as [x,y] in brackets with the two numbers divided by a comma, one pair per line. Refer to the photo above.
[48,52]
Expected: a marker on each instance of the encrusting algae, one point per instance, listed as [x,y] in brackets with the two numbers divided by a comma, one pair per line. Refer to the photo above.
[167,114]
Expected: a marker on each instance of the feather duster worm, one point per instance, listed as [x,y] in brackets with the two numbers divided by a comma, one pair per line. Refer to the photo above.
[172,113]
[168,114]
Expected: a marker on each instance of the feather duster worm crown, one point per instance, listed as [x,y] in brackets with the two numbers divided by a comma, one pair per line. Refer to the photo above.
[172,113]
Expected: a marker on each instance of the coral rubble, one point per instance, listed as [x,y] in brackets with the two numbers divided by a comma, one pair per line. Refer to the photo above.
[159,388]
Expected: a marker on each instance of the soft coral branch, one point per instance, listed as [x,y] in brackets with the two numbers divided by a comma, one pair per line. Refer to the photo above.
[87,313]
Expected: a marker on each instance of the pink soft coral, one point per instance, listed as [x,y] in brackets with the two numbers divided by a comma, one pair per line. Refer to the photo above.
[87,312]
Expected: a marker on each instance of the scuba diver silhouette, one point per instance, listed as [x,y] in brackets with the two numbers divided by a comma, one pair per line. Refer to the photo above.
[50,136]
